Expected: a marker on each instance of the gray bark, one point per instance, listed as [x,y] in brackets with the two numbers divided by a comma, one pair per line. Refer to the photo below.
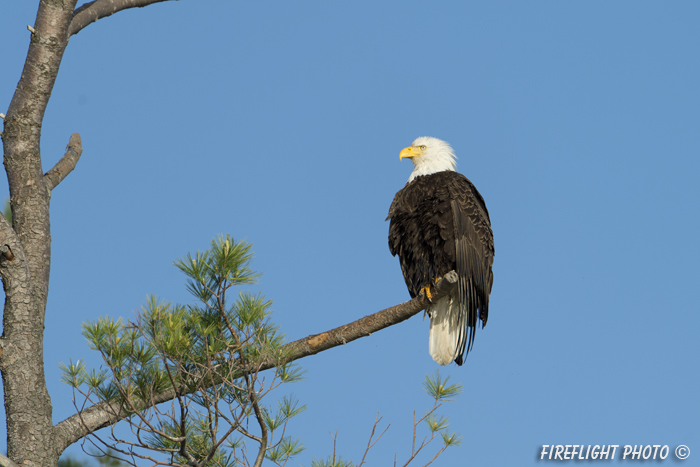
[92,11]
[26,277]
[26,245]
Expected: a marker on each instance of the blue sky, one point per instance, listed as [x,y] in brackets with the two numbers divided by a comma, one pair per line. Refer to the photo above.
[281,123]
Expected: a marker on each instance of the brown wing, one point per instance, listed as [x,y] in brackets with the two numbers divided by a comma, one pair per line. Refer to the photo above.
[474,258]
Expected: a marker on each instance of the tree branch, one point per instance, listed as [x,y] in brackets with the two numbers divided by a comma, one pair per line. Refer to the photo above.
[366,326]
[92,11]
[67,163]
[5,462]
[103,414]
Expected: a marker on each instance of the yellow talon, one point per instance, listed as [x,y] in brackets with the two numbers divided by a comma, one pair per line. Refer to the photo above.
[426,291]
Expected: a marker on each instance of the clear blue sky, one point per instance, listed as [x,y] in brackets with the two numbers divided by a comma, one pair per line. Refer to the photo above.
[282,122]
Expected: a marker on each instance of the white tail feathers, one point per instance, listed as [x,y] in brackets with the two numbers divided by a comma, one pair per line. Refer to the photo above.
[444,330]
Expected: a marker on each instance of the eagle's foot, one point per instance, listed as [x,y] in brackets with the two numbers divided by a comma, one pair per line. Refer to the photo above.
[426,291]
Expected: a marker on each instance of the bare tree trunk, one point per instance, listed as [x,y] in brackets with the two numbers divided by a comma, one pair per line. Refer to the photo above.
[26,277]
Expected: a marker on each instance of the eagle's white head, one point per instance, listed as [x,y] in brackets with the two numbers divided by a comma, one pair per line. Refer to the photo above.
[429,155]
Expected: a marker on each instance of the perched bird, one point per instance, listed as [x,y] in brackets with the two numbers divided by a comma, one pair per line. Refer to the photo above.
[439,223]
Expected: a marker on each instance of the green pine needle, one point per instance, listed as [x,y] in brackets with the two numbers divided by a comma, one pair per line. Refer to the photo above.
[454,439]
[438,389]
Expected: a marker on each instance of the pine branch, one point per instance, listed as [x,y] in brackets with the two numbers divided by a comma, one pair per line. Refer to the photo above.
[103,414]
[6,462]
[363,327]
[98,9]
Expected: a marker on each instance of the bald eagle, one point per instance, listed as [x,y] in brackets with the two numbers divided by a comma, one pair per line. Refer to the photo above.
[439,223]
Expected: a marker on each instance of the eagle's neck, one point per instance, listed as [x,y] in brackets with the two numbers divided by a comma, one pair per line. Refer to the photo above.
[431,166]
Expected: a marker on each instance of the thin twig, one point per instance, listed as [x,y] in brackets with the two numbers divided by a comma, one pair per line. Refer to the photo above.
[426,441]
[436,455]
[335,438]
[370,444]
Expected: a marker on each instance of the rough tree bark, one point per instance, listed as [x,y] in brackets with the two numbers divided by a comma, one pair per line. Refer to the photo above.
[25,250]
[26,277]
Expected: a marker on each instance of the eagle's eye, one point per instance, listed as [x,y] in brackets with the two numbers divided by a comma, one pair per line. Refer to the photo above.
[422,148]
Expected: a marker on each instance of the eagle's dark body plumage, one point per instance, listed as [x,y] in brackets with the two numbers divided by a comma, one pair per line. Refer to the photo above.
[439,223]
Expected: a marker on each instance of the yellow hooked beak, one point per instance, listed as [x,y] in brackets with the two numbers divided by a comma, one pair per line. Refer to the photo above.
[409,152]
